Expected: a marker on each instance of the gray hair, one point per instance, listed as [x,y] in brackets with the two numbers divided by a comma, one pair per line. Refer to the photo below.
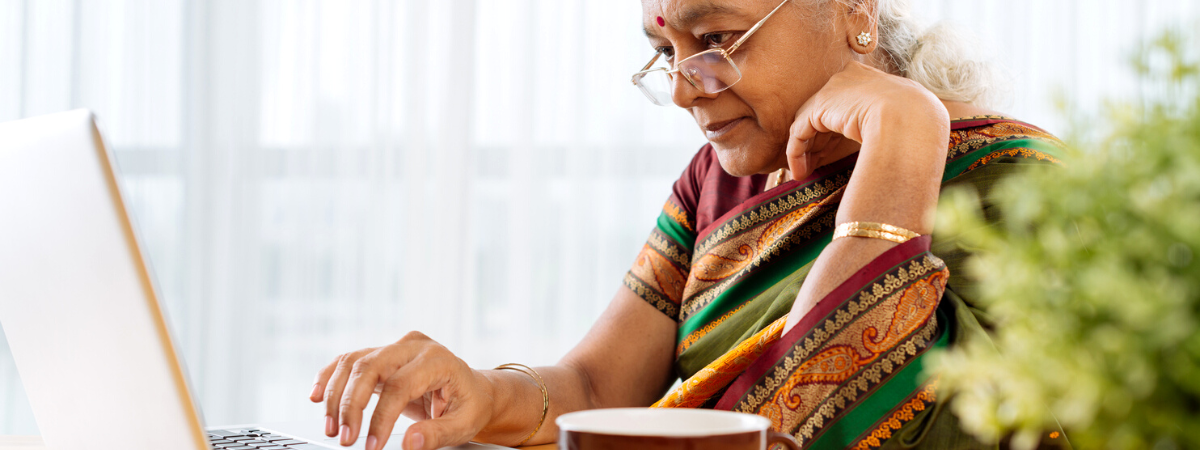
[940,58]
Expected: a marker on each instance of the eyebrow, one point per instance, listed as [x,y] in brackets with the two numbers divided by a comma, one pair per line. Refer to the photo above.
[696,13]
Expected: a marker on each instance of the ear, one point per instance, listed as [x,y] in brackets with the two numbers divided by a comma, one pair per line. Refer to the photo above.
[861,20]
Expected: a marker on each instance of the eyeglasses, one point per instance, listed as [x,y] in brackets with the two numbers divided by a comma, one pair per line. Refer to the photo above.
[710,71]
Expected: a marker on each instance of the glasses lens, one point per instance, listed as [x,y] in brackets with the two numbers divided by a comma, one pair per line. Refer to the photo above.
[656,84]
[710,71]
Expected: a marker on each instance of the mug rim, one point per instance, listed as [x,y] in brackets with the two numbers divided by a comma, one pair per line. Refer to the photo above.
[740,423]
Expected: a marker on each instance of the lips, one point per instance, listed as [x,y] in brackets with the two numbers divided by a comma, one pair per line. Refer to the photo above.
[714,130]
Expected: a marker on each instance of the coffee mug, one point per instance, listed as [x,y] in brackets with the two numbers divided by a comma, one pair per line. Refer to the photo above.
[667,428]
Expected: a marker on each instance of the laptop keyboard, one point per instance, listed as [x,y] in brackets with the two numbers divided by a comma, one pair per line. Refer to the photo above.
[254,439]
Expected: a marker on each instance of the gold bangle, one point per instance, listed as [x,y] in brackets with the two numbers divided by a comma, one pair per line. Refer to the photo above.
[874,230]
[541,385]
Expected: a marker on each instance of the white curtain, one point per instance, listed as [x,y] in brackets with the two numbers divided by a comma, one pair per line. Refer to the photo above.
[312,177]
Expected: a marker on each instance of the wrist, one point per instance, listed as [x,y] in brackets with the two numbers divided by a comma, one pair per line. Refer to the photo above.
[904,134]
[490,385]
[507,424]
[912,114]
[898,174]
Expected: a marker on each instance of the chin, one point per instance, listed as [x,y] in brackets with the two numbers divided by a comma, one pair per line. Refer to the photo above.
[745,159]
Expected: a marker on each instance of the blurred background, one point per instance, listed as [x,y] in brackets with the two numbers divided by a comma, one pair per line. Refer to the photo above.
[313,177]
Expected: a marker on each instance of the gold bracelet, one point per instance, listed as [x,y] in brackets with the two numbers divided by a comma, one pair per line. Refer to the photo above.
[874,230]
[541,385]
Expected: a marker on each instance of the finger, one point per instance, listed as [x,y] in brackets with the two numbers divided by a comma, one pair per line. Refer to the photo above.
[318,392]
[801,136]
[437,404]
[364,375]
[799,158]
[418,409]
[805,127]
[334,388]
[802,149]
[383,421]
[449,430]
[414,381]
[367,373]
[410,382]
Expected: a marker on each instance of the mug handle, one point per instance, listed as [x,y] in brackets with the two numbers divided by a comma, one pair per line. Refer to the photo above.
[775,437]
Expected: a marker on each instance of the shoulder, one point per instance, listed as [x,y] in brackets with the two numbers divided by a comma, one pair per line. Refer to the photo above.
[977,141]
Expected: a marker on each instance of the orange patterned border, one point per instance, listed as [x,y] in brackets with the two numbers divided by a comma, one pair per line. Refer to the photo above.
[904,414]
[713,378]
[696,335]
[678,214]
[967,140]
[651,296]
[1013,152]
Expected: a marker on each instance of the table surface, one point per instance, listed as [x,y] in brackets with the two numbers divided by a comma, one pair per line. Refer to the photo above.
[35,443]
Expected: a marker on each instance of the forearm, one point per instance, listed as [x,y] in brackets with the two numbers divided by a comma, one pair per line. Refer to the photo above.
[896,181]
[898,174]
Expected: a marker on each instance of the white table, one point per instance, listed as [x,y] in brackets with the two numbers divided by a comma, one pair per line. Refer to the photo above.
[21,443]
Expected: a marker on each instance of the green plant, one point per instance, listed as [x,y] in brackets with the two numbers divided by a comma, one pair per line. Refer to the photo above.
[1092,280]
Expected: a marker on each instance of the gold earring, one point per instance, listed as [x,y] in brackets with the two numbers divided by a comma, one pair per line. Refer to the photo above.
[864,38]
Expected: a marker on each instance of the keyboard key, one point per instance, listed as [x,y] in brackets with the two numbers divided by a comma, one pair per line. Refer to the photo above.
[305,447]
[286,441]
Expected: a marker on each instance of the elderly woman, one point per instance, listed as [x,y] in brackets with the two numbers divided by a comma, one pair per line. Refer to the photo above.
[790,273]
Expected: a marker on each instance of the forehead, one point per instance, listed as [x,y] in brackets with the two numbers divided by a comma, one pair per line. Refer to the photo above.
[683,14]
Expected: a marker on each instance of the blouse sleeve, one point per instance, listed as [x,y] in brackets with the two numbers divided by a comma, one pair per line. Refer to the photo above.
[661,269]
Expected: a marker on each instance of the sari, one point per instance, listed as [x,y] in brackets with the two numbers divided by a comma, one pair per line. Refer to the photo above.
[726,261]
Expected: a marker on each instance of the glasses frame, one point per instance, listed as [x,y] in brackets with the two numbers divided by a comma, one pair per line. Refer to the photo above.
[646,70]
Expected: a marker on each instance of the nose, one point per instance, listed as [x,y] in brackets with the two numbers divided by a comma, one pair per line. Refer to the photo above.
[683,93]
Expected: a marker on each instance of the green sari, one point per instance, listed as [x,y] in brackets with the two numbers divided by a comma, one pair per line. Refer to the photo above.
[726,260]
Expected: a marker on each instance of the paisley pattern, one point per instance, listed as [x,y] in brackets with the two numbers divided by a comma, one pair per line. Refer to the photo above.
[727,258]
[874,331]
[964,141]
[665,276]
[724,263]
[660,271]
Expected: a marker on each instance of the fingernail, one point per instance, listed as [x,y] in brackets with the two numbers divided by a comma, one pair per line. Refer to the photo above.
[329,427]
[417,442]
[345,434]
[371,442]
[316,391]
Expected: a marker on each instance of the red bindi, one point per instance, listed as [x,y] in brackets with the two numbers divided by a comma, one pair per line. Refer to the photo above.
[661,22]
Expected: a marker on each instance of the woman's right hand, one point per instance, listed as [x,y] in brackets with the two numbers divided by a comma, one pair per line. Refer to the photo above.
[414,376]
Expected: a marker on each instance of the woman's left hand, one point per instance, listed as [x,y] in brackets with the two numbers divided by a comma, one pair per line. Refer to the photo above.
[860,104]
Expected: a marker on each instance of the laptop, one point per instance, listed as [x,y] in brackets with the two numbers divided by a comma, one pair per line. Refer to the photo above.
[82,315]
